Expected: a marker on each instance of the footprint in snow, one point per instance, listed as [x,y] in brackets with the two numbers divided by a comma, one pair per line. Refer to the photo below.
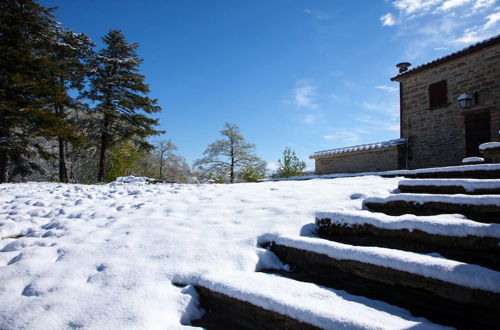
[357,196]
[30,291]
[15,259]
[101,267]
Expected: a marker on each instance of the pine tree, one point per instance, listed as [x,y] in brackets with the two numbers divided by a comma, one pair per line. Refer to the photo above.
[25,32]
[69,53]
[121,97]
[230,154]
[290,165]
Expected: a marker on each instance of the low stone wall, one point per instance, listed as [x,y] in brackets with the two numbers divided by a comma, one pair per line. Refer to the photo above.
[492,155]
[381,159]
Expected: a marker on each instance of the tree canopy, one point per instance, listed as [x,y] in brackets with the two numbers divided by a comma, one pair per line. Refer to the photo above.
[121,96]
[229,155]
[290,165]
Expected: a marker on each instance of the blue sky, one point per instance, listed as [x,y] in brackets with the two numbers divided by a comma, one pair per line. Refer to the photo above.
[310,75]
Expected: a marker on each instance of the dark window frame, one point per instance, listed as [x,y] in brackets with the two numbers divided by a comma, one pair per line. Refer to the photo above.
[438,94]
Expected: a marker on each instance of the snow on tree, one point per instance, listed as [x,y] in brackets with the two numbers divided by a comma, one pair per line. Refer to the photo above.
[69,53]
[227,156]
[121,97]
[25,32]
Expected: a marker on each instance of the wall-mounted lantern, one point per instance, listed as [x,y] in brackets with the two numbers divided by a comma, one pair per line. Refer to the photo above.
[465,100]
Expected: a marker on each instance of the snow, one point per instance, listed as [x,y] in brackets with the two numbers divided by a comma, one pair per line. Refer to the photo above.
[105,256]
[324,308]
[131,179]
[489,145]
[471,276]
[426,198]
[370,146]
[462,168]
[472,160]
[445,224]
[468,184]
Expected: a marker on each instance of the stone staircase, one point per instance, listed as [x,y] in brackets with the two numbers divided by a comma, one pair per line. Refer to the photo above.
[432,248]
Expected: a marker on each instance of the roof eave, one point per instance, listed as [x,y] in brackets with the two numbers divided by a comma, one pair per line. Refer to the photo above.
[453,56]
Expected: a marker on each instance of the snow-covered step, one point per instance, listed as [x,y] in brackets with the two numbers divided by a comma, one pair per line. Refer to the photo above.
[480,171]
[451,186]
[449,235]
[428,286]
[482,208]
[246,300]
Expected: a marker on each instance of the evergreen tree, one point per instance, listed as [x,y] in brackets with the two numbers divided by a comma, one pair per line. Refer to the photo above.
[253,172]
[70,54]
[230,154]
[120,95]
[290,165]
[26,29]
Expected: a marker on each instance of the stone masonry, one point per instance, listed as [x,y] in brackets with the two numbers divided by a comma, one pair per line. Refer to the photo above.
[371,160]
[437,136]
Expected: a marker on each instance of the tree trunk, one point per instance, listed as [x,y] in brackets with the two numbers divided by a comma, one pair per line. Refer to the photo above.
[231,178]
[161,164]
[4,167]
[104,146]
[63,170]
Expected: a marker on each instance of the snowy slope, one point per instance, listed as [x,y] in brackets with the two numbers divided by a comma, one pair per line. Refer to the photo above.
[105,256]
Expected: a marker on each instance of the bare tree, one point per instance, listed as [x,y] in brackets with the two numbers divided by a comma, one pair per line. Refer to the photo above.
[162,147]
[229,154]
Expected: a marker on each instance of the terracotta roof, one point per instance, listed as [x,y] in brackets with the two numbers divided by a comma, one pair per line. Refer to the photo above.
[377,145]
[457,54]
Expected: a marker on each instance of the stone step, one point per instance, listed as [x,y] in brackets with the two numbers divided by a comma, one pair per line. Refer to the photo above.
[481,171]
[248,300]
[450,186]
[443,291]
[483,208]
[448,235]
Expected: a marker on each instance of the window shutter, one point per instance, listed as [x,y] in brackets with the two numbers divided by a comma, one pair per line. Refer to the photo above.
[438,94]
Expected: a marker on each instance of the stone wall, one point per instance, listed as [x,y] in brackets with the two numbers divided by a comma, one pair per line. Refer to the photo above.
[374,160]
[437,136]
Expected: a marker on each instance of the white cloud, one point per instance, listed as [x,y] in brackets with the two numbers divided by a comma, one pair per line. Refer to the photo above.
[410,7]
[478,4]
[492,20]
[304,95]
[317,14]
[343,135]
[391,125]
[430,25]
[480,32]
[309,119]
[387,88]
[385,107]
[387,20]
[450,4]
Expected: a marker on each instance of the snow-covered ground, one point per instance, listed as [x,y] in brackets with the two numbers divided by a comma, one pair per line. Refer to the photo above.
[105,256]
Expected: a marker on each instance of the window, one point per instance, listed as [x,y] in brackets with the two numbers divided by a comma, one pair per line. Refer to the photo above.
[438,94]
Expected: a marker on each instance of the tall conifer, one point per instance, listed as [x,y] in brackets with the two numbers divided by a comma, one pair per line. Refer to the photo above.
[120,94]
[25,31]
[69,54]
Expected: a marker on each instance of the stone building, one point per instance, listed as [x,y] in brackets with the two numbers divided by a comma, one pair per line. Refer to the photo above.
[435,128]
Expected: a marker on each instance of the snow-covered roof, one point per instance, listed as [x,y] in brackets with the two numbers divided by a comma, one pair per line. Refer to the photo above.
[369,146]
[467,50]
